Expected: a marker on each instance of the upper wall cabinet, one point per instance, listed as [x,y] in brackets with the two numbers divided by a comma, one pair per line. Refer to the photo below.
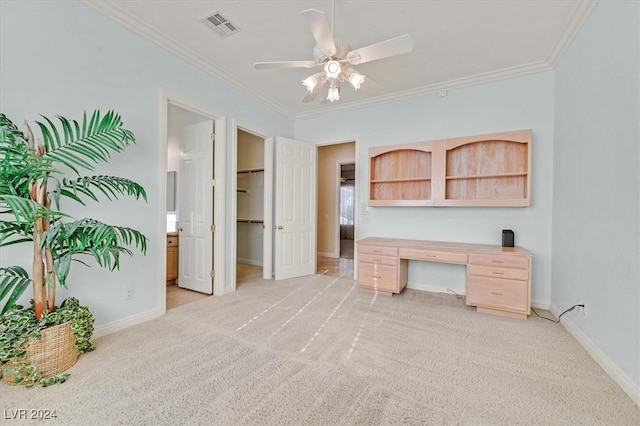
[400,176]
[485,170]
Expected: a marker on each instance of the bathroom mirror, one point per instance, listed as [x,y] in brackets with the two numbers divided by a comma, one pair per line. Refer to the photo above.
[171,191]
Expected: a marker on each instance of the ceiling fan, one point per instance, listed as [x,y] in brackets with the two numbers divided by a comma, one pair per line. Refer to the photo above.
[336,58]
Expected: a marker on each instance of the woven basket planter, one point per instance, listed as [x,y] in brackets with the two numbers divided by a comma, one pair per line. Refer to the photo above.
[52,354]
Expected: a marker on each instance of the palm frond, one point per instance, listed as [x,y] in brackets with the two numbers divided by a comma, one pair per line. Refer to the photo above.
[9,128]
[25,211]
[14,280]
[105,243]
[13,233]
[19,163]
[16,167]
[110,186]
[83,146]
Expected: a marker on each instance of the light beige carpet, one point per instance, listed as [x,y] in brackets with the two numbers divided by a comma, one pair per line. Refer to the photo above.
[320,351]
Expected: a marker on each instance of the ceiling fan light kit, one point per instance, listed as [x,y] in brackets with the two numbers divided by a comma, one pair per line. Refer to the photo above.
[333,54]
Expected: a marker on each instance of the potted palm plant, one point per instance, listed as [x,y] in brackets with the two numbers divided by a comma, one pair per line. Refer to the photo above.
[35,177]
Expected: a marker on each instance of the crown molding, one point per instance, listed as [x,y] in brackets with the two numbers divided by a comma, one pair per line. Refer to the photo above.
[575,22]
[113,11]
[473,80]
[574,25]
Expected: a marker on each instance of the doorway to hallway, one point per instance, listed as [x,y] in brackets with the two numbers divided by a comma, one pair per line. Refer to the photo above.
[337,194]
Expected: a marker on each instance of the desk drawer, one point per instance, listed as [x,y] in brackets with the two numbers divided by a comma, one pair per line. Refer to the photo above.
[377,277]
[495,272]
[379,250]
[501,260]
[172,241]
[502,294]
[380,260]
[433,256]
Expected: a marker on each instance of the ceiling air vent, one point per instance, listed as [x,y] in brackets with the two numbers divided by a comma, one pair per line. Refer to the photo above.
[220,25]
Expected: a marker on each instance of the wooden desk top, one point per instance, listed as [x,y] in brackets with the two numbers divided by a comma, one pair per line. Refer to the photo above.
[444,246]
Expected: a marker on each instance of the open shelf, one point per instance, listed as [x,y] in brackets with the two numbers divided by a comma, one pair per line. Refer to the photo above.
[402,173]
[247,171]
[485,170]
[250,220]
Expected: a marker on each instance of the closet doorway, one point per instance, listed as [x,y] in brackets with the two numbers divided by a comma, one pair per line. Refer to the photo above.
[252,189]
[337,206]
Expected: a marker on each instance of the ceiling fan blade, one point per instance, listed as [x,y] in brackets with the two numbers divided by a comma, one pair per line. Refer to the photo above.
[319,26]
[383,49]
[284,64]
[311,96]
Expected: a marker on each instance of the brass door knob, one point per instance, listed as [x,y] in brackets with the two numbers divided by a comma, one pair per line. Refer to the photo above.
[180,229]
[279,227]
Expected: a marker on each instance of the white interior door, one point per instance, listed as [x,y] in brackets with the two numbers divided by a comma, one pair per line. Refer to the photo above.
[196,207]
[295,209]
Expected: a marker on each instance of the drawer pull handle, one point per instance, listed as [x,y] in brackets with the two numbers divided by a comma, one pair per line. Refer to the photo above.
[496,293]
[497,273]
[377,276]
[498,261]
[377,251]
[377,260]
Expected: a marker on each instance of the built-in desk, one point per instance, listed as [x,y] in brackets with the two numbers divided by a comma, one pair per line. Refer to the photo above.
[498,278]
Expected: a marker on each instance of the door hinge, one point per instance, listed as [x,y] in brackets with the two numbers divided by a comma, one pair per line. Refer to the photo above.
[213,228]
[213,182]
[213,137]
[212,274]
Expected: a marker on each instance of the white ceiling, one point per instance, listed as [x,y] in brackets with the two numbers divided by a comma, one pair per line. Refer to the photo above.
[457,43]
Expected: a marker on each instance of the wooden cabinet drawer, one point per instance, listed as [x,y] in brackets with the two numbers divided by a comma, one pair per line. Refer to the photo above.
[495,272]
[379,259]
[433,256]
[380,250]
[378,277]
[501,260]
[172,241]
[497,293]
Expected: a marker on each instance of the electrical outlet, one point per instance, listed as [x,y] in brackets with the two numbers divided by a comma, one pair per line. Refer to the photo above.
[128,294]
[582,309]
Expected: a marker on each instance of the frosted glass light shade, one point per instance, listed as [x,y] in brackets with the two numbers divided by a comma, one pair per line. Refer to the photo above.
[356,80]
[334,93]
[310,82]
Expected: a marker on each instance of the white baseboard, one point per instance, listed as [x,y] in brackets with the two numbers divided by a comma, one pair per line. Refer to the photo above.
[249,262]
[611,368]
[103,330]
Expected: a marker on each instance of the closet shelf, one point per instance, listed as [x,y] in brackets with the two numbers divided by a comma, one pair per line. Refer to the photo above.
[250,220]
[245,171]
